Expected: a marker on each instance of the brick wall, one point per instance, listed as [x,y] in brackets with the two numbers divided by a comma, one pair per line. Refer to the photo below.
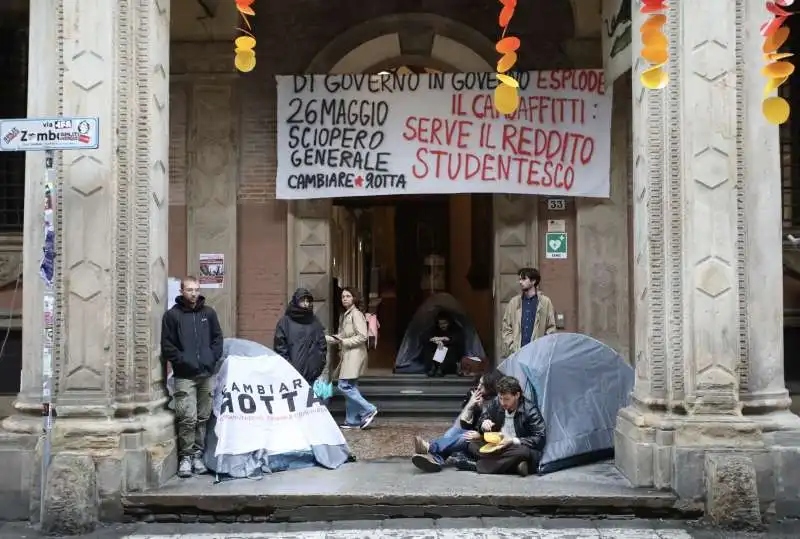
[262,219]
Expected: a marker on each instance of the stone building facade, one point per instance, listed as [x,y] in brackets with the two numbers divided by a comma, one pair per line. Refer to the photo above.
[675,270]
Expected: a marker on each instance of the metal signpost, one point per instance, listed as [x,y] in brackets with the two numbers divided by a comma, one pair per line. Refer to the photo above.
[48,135]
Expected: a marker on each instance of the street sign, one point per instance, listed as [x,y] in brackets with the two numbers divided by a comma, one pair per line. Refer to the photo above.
[48,134]
[556,245]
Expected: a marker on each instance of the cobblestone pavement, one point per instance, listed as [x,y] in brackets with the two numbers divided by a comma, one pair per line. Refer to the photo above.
[486,528]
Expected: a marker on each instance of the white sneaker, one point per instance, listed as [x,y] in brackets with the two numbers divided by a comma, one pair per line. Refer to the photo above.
[185,467]
[367,420]
[198,466]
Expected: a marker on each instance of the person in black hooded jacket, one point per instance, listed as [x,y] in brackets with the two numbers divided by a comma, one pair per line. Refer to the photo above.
[191,341]
[300,337]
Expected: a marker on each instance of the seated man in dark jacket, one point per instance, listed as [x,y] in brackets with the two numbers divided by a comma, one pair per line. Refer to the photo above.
[430,456]
[300,337]
[522,427]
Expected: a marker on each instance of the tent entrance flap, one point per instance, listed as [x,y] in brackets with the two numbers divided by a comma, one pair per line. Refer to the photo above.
[411,357]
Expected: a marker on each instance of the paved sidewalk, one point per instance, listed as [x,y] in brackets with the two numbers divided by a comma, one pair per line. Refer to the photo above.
[486,528]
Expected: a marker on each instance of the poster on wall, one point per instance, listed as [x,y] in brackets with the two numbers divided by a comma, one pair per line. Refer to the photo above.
[384,134]
[212,270]
[617,39]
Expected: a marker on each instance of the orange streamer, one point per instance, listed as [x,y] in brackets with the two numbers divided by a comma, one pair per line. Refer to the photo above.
[244,45]
[506,94]
[655,44]
[777,70]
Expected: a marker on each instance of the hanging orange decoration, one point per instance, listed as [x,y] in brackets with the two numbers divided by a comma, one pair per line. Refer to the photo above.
[506,94]
[776,109]
[245,44]
[655,45]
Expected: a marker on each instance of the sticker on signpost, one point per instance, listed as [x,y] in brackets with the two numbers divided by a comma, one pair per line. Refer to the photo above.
[556,246]
[42,134]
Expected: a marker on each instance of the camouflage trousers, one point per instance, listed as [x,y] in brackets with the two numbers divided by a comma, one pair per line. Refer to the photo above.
[193,405]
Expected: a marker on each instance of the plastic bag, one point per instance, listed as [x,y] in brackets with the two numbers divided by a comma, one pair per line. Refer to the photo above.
[323,389]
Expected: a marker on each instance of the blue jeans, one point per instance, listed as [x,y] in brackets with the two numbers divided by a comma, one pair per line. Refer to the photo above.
[451,442]
[355,405]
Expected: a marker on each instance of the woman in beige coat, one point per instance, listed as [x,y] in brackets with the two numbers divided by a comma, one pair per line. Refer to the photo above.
[352,342]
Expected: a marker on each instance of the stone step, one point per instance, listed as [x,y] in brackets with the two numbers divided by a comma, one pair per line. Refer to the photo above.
[393,488]
[405,408]
[411,396]
[412,380]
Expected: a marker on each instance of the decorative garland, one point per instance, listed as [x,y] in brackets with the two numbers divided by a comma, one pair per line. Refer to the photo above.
[777,71]
[506,94]
[245,59]
[654,44]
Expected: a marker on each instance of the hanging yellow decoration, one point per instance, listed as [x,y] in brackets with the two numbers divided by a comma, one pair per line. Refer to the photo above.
[655,45]
[777,71]
[506,94]
[245,58]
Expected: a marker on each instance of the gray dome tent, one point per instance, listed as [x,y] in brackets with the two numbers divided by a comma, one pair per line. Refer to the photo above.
[580,385]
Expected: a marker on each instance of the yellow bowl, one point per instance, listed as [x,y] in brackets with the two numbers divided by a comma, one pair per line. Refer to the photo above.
[493,437]
[489,448]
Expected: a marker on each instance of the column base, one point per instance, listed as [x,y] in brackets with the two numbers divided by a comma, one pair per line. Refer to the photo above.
[738,469]
[94,461]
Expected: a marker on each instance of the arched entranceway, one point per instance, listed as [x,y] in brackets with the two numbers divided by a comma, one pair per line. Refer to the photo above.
[425,41]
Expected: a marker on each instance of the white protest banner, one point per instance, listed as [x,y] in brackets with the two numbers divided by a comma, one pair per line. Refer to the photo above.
[264,403]
[365,135]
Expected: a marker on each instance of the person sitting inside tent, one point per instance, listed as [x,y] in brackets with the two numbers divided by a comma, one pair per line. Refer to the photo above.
[514,430]
[431,456]
[300,337]
[414,358]
[446,339]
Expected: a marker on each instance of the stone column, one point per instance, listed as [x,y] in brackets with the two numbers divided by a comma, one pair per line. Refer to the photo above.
[309,247]
[602,230]
[211,183]
[707,269]
[112,434]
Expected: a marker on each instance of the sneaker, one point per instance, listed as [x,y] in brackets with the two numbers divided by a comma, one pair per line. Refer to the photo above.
[466,465]
[368,419]
[421,446]
[185,467]
[198,466]
[426,463]
[523,469]
[348,426]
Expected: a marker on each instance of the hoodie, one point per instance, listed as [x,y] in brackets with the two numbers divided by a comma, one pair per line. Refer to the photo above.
[191,338]
[300,338]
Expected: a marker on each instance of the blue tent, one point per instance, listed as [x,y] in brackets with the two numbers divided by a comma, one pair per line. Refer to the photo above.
[580,384]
